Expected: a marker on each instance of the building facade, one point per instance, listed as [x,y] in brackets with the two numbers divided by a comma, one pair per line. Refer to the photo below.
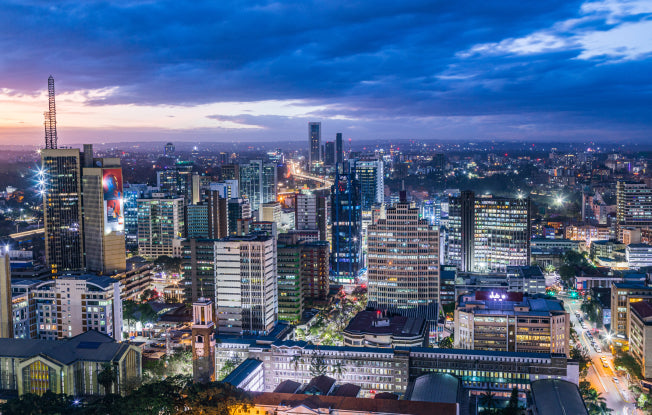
[633,206]
[346,216]
[160,227]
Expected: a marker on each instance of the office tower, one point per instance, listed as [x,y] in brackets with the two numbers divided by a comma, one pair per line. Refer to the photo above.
[633,206]
[168,150]
[403,260]
[62,209]
[329,153]
[132,192]
[271,212]
[245,284]
[227,188]
[176,181]
[306,211]
[104,222]
[203,341]
[196,221]
[70,305]
[258,183]
[238,209]
[218,226]
[230,172]
[324,215]
[339,151]
[198,269]
[6,304]
[314,270]
[346,229]
[314,143]
[51,118]
[372,183]
[488,234]
[290,298]
[160,227]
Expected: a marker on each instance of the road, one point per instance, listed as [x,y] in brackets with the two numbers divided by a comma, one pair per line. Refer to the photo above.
[617,395]
[296,171]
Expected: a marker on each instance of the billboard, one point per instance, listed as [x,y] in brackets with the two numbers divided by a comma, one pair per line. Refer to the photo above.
[114,220]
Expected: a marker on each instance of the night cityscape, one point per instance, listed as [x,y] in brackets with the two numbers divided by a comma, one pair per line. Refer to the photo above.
[276,208]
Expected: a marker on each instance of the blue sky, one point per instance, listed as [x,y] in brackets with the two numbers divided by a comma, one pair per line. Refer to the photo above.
[226,70]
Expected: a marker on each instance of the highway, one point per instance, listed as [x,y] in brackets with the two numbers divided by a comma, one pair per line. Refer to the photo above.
[617,395]
[296,171]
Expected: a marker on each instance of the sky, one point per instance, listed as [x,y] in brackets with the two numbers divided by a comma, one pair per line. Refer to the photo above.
[554,70]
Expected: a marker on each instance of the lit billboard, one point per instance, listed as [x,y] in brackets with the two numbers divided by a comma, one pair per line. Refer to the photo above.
[114,220]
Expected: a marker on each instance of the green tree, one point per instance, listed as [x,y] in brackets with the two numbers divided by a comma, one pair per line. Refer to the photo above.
[595,402]
[567,274]
[582,358]
[107,377]
[48,403]
[488,401]
[215,398]
[512,406]
[446,342]
[318,365]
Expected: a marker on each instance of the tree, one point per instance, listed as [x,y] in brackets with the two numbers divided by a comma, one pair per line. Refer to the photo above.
[48,403]
[488,401]
[446,342]
[595,402]
[215,398]
[318,365]
[107,377]
[567,274]
[582,358]
[339,369]
[512,406]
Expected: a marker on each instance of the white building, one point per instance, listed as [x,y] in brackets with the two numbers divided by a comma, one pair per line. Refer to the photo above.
[160,227]
[638,255]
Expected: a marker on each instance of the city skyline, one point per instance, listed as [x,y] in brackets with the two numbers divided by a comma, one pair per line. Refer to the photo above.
[146,71]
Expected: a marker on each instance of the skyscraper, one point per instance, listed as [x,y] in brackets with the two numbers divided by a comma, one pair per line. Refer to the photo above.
[51,118]
[329,153]
[246,284]
[339,153]
[314,143]
[403,260]
[104,224]
[371,177]
[198,268]
[258,182]
[62,209]
[487,233]
[160,227]
[346,218]
[633,206]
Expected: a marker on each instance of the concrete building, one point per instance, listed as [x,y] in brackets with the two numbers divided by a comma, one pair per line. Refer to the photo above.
[638,255]
[373,329]
[67,366]
[198,269]
[237,209]
[6,301]
[556,396]
[104,222]
[499,321]
[640,335]
[160,227]
[402,260]
[622,295]
[60,180]
[633,206]
[271,212]
[246,284]
[290,296]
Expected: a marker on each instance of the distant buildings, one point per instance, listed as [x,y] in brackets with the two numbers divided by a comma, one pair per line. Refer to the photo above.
[488,234]
[314,143]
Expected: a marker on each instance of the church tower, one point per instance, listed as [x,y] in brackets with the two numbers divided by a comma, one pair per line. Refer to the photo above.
[203,341]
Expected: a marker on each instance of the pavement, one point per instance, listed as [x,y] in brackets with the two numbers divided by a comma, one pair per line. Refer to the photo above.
[616,394]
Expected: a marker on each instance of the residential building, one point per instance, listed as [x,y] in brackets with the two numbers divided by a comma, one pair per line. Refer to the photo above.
[246,284]
[622,295]
[60,178]
[633,206]
[499,321]
[487,233]
[160,227]
[68,366]
[374,329]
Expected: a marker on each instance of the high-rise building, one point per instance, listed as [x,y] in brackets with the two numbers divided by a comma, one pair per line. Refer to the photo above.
[290,298]
[218,219]
[238,209]
[329,153]
[160,227]
[271,212]
[306,211]
[314,143]
[230,172]
[246,284]
[176,181]
[487,233]
[258,182]
[314,270]
[633,206]
[346,255]
[203,341]
[226,189]
[51,118]
[197,221]
[62,209]
[372,183]
[198,268]
[132,192]
[339,152]
[403,260]
[6,304]
[104,222]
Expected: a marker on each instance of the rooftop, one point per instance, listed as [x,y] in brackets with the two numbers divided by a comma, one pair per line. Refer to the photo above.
[240,373]
[642,308]
[374,323]
[434,387]
[555,396]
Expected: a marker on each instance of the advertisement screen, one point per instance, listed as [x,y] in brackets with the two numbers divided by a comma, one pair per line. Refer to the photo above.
[114,220]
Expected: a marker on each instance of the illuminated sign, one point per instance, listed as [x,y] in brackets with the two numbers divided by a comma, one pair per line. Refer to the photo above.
[114,220]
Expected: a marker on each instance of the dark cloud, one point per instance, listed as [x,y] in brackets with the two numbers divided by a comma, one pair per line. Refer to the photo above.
[382,63]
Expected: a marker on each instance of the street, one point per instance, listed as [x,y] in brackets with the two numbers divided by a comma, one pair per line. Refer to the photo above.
[617,395]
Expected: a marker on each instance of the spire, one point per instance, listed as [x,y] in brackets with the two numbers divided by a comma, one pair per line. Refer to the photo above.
[50,117]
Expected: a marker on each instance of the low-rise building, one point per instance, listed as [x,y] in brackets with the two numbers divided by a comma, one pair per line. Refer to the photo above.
[373,329]
[67,366]
[640,335]
[510,322]
[622,295]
